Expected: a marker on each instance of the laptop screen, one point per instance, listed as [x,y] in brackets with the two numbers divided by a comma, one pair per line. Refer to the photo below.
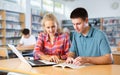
[33,63]
[17,53]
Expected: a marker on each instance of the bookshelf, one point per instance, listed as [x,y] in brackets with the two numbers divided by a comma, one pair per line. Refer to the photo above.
[109,25]
[36,25]
[67,24]
[11,24]
[96,22]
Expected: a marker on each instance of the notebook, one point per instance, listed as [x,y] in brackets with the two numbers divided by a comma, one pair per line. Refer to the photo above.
[33,63]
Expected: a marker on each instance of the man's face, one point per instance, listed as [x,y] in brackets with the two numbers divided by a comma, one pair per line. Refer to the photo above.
[79,24]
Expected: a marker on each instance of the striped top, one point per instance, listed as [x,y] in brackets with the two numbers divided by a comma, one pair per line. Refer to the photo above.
[60,46]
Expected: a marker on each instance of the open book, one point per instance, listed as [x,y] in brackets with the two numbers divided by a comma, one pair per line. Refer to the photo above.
[65,65]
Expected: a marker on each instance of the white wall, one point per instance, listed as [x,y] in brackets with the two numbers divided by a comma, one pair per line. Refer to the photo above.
[95,8]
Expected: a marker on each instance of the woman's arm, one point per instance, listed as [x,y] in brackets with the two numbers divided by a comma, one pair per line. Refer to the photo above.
[66,47]
[38,49]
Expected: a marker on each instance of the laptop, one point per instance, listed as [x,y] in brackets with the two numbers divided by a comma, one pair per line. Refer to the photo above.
[33,63]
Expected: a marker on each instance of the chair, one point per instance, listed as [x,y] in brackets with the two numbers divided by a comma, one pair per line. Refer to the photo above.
[3,53]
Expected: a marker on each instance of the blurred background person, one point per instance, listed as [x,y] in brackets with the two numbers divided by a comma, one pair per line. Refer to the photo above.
[66,30]
[27,42]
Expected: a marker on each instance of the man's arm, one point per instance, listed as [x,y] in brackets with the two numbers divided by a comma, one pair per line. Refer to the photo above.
[22,47]
[106,59]
[19,45]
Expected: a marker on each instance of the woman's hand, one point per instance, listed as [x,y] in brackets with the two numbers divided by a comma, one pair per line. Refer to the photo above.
[54,59]
[69,60]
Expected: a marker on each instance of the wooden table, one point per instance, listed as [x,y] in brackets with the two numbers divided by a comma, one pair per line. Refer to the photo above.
[16,65]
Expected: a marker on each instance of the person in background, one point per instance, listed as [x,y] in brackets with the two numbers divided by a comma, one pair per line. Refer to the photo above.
[89,45]
[66,30]
[26,46]
[27,42]
[52,44]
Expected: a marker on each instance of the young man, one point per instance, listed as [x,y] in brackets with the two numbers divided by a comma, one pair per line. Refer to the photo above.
[27,41]
[89,45]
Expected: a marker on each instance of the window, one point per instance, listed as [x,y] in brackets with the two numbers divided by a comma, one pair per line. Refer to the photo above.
[13,1]
[36,7]
[36,3]
[59,8]
[48,5]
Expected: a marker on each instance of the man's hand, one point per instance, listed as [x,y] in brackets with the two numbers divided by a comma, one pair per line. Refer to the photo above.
[80,60]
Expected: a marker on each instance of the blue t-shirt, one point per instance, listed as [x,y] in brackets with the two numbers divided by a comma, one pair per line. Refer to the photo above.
[94,43]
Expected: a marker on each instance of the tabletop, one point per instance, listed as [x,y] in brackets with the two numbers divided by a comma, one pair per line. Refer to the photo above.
[16,65]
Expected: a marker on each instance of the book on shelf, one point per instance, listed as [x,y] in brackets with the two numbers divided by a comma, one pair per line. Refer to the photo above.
[72,66]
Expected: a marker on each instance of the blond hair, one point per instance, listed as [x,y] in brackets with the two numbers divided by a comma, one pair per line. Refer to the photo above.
[50,17]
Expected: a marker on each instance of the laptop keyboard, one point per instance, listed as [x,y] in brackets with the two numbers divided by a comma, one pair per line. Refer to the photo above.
[36,62]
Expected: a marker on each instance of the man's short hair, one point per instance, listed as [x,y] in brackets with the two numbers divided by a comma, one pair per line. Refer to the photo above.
[79,13]
[25,31]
